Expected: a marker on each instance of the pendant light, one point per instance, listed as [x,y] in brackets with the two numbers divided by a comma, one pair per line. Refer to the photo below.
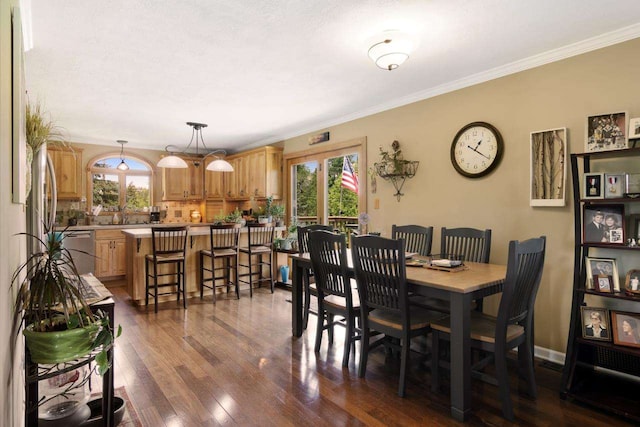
[173,161]
[122,166]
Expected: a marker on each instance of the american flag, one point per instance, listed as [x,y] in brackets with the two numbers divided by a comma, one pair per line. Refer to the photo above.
[349,177]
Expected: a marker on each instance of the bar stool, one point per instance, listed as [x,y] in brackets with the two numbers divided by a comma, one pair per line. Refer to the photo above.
[169,247]
[260,243]
[223,241]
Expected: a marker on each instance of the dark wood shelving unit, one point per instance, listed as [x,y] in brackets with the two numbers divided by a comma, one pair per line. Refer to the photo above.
[599,373]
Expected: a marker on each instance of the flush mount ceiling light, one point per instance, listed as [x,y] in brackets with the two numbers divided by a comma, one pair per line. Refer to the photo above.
[391,49]
[122,166]
[173,161]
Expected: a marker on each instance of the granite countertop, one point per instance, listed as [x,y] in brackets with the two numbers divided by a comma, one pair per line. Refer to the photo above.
[127,226]
[142,233]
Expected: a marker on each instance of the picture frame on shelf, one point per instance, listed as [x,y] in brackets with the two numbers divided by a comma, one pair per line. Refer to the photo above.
[626,328]
[603,283]
[602,267]
[593,186]
[595,323]
[634,128]
[632,281]
[633,228]
[548,167]
[632,187]
[606,132]
[614,185]
[603,224]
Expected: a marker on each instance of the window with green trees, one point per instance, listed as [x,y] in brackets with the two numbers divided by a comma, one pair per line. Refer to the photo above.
[112,187]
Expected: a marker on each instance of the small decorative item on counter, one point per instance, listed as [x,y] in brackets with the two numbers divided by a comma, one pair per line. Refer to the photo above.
[196,216]
[116,218]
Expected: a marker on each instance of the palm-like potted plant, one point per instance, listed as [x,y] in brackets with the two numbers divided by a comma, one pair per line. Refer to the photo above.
[59,324]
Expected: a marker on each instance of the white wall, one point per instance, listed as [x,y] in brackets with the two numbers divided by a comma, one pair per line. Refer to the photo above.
[12,248]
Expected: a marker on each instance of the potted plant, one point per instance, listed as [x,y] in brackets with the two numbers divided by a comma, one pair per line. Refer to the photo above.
[59,324]
[234,217]
[277,211]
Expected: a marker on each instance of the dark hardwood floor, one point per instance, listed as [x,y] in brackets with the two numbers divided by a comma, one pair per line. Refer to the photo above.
[236,363]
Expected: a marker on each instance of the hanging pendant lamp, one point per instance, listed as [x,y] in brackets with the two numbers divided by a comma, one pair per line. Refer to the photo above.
[122,166]
[173,161]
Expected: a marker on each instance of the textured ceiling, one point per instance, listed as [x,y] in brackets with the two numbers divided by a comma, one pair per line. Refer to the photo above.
[259,71]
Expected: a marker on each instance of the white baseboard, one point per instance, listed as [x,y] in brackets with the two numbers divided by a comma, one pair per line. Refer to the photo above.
[550,355]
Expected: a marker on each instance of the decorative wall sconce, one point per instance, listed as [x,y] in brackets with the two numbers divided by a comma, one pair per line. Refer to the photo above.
[392,167]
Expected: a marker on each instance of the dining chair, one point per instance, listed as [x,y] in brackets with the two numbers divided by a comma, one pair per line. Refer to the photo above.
[512,328]
[336,296]
[223,247]
[472,245]
[259,245]
[417,239]
[169,245]
[380,271]
[309,288]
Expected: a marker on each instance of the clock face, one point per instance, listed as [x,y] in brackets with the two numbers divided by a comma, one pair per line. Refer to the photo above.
[476,149]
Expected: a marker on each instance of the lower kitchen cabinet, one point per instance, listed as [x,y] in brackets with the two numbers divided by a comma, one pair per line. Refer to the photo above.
[110,253]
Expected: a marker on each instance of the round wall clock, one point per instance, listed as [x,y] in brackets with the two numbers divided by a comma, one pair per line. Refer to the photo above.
[476,149]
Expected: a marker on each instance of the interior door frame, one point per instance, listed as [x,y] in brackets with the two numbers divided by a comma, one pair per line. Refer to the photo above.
[320,154]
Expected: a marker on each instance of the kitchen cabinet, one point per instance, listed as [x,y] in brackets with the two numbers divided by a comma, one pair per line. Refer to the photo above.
[110,253]
[213,182]
[258,174]
[67,163]
[183,183]
[593,367]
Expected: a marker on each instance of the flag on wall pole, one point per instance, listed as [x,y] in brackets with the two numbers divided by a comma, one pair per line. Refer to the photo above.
[349,177]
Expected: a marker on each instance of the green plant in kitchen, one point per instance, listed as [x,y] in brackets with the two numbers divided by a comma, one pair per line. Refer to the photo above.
[277,211]
[59,324]
[234,217]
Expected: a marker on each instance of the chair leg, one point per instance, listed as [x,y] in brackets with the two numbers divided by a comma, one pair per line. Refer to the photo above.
[201,258]
[503,383]
[307,301]
[319,327]
[330,322]
[271,282]
[348,340]
[435,361]
[146,282]
[183,277]
[250,276]
[404,362]
[364,351]
[227,272]
[213,279]
[155,285]
[235,276]
[525,367]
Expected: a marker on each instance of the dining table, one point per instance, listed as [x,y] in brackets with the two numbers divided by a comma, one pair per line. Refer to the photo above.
[458,286]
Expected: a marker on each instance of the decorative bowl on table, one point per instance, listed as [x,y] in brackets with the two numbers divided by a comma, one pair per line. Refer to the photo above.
[446,260]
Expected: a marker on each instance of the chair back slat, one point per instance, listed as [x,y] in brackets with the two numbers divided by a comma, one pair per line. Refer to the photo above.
[416,238]
[260,235]
[379,265]
[224,236]
[524,273]
[328,252]
[169,240]
[472,244]
[303,235]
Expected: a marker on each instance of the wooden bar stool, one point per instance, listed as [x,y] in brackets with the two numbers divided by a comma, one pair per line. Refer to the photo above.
[260,244]
[169,247]
[223,241]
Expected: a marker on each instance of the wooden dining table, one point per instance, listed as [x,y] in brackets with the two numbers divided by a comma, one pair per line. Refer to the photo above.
[459,288]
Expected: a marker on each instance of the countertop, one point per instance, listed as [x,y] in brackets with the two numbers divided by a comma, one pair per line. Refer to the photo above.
[143,233]
[128,226]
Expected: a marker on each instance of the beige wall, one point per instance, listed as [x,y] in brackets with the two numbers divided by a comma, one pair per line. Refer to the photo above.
[561,94]
[12,247]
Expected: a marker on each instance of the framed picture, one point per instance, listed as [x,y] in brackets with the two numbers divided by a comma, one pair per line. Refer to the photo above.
[595,323]
[597,267]
[632,188]
[548,167]
[603,283]
[632,281]
[634,128]
[606,132]
[593,186]
[603,224]
[614,185]
[625,328]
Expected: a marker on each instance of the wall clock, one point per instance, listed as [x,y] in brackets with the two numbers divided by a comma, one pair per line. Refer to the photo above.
[476,149]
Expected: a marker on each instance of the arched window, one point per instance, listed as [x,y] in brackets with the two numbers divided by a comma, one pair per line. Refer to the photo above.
[112,188]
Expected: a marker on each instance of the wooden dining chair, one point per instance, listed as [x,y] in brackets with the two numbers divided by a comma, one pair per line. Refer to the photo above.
[380,271]
[336,296]
[308,286]
[223,247]
[513,328]
[417,239]
[169,245]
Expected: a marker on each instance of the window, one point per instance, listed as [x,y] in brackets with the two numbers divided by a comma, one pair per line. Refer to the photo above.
[112,188]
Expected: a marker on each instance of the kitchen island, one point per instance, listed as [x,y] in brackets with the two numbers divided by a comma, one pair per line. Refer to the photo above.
[138,245]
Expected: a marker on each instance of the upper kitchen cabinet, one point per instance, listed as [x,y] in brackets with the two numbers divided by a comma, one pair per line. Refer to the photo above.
[257,173]
[213,182]
[183,184]
[67,163]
